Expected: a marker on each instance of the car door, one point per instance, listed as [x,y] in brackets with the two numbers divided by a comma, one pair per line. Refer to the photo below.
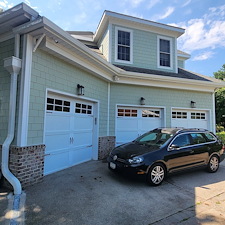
[200,148]
[180,153]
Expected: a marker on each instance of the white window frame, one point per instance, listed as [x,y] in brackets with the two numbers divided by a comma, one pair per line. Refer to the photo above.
[158,52]
[116,45]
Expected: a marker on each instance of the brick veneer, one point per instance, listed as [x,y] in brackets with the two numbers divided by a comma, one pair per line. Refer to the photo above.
[105,145]
[27,163]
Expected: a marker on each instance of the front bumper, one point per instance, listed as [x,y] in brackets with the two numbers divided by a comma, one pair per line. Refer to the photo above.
[123,165]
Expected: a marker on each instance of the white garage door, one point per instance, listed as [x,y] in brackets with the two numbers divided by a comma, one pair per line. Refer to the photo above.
[133,122]
[190,119]
[68,133]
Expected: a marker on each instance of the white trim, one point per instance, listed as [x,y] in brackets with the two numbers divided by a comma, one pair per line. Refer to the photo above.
[24,101]
[95,116]
[213,114]
[110,43]
[108,109]
[158,52]
[176,58]
[116,45]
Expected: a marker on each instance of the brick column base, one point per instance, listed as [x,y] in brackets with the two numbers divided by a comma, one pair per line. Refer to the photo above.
[27,163]
[105,146]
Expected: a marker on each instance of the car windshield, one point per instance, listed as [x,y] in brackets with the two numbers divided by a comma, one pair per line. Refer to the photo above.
[155,137]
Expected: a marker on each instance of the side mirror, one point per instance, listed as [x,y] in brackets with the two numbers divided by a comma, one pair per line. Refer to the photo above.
[174,147]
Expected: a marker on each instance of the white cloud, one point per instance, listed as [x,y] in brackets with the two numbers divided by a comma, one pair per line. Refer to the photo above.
[135,3]
[6,5]
[203,56]
[167,13]
[186,3]
[206,32]
[152,3]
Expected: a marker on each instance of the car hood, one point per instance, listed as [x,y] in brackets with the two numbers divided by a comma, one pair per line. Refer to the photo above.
[132,149]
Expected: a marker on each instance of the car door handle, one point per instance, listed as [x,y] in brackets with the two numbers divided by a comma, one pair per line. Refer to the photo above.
[192,151]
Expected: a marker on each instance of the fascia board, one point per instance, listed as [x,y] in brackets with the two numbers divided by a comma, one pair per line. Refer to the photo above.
[137,23]
[180,83]
[132,19]
[160,84]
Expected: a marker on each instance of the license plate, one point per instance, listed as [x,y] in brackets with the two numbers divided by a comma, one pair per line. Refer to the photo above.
[112,165]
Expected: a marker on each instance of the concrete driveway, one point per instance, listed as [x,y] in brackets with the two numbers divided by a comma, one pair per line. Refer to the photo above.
[90,194]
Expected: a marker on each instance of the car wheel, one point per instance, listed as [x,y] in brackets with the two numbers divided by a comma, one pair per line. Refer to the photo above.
[156,174]
[213,164]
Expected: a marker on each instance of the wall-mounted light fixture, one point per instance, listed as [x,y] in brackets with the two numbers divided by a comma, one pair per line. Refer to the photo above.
[80,89]
[142,101]
[193,104]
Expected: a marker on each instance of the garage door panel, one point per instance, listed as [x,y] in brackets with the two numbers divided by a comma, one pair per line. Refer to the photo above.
[81,155]
[56,162]
[82,122]
[56,141]
[57,122]
[127,123]
[150,124]
[83,138]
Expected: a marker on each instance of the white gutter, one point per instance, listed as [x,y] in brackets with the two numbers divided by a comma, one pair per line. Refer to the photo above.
[13,66]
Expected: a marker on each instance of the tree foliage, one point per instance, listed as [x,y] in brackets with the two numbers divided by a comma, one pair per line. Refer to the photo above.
[220,106]
[220,98]
[220,74]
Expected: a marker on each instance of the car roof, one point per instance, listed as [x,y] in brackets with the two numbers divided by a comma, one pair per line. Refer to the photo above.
[174,130]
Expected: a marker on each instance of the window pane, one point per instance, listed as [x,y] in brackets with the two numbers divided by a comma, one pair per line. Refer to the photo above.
[198,138]
[164,46]
[182,141]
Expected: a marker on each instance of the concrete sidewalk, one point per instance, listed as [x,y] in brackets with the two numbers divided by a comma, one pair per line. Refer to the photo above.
[90,194]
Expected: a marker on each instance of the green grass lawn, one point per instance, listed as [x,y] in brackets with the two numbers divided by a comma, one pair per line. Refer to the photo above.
[221,135]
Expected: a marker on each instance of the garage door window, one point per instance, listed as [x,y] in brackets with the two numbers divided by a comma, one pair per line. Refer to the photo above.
[83,108]
[127,112]
[198,116]
[179,115]
[58,105]
[150,113]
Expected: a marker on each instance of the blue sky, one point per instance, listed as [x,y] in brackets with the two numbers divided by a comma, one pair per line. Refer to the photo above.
[204,21]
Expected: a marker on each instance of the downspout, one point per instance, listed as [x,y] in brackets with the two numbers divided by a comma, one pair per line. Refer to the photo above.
[13,66]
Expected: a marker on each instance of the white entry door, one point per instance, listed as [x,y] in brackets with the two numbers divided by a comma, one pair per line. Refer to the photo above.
[132,122]
[190,119]
[68,133]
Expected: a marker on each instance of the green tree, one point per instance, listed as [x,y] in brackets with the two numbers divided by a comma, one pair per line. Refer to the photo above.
[220,74]
[220,98]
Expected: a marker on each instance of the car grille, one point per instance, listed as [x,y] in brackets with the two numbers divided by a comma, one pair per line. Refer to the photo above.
[121,160]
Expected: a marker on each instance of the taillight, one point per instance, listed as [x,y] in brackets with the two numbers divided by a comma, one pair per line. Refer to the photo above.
[223,148]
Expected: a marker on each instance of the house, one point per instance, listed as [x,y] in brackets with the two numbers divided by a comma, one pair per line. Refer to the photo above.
[78,94]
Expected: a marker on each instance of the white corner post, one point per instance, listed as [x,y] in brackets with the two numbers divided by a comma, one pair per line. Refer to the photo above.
[13,66]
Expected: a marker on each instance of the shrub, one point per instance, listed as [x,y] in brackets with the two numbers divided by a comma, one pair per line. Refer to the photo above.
[221,135]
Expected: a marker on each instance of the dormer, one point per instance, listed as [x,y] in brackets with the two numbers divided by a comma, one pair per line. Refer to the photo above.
[130,41]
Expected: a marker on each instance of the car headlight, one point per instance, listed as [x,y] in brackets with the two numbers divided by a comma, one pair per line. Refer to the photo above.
[136,159]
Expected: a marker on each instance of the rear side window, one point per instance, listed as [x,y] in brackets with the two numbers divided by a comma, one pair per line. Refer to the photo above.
[198,138]
[210,137]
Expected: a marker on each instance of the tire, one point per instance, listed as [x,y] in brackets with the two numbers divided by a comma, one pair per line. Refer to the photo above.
[213,164]
[156,174]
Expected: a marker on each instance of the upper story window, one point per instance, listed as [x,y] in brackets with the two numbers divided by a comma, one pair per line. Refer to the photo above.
[124,45]
[164,52]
